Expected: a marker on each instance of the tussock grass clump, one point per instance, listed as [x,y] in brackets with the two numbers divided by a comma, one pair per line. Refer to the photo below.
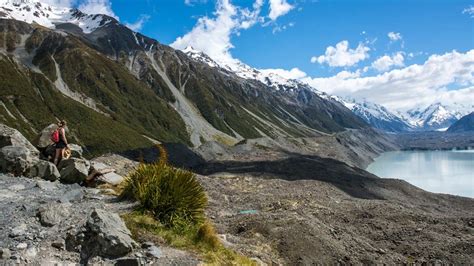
[174,196]
[172,204]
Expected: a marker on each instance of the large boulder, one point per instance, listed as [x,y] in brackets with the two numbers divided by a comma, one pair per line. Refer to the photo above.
[73,170]
[43,140]
[104,234]
[45,170]
[76,150]
[17,160]
[12,137]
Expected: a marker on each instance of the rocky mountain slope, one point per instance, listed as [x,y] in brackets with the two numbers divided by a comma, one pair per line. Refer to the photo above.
[465,124]
[375,115]
[114,78]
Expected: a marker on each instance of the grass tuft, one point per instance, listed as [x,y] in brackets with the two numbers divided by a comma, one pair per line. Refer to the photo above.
[196,239]
[174,196]
[171,210]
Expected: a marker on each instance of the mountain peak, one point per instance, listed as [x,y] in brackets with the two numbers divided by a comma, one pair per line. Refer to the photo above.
[49,16]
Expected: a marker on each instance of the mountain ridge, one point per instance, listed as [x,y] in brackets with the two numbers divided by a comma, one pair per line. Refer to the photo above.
[465,124]
[98,70]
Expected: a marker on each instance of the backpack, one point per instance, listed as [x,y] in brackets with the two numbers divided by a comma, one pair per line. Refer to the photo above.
[55,136]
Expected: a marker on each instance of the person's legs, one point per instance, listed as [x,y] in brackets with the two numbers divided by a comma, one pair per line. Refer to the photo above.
[57,156]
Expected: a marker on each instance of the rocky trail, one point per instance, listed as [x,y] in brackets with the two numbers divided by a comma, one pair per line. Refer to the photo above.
[49,223]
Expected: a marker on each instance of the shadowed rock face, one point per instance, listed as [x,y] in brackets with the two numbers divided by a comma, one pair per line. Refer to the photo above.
[465,124]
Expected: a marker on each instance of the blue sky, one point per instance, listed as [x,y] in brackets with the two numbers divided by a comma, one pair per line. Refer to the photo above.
[427,27]
[401,54]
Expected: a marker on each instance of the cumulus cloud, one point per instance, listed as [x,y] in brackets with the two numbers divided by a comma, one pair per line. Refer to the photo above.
[294,73]
[414,85]
[386,62]
[251,17]
[342,55]
[97,7]
[212,35]
[279,8]
[138,25]
[394,36]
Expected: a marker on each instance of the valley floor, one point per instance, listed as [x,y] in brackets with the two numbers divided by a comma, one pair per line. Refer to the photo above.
[307,222]
[269,203]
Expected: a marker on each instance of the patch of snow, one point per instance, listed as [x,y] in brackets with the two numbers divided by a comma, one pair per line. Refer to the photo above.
[49,16]
[244,71]
[436,115]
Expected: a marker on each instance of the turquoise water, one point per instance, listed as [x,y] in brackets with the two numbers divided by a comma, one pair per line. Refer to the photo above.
[450,172]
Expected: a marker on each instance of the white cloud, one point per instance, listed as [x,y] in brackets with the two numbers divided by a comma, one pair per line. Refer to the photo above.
[251,17]
[386,62]
[294,73]
[394,36]
[279,8]
[192,2]
[97,7]
[60,3]
[138,25]
[281,28]
[469,10]
[342,55]
[213,35]
[414,85]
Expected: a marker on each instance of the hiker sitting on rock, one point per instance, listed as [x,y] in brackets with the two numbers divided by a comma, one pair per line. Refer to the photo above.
[60,141]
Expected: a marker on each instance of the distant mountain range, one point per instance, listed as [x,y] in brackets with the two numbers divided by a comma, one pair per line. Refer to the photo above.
[375,115]
[435,117]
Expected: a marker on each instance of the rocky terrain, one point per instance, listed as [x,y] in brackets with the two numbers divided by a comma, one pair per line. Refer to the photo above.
[435,140]
[267,200]
[360,219]
[47,223]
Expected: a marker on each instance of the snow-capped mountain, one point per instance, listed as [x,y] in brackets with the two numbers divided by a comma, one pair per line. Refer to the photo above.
[31,11]
[375,115]
[245,71]
[436,116]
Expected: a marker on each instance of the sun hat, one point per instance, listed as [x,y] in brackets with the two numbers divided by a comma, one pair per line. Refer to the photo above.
[66,153]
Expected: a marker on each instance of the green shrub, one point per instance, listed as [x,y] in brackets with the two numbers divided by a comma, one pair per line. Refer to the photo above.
[174,196]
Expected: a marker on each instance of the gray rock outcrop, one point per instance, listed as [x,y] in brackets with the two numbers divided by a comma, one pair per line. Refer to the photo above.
[45,170]
[43,140]
[76,150]
[104,234]
[74,170]
[12,137]
[17,160]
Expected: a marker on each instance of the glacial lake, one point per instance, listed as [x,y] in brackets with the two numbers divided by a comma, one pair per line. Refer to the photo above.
[449,172]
